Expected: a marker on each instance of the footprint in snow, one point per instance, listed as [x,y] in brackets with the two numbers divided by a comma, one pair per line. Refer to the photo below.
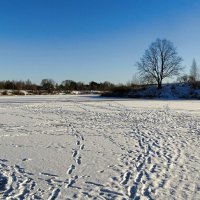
[71,168]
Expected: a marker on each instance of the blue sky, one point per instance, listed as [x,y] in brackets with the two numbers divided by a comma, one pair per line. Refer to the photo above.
[87,40]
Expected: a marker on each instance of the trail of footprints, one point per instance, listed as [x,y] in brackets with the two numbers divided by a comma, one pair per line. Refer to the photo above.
[76,155]
[143,170]
[148,173]
[15,182]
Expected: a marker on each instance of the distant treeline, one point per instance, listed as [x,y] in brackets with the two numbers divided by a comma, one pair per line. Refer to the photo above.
[51,86]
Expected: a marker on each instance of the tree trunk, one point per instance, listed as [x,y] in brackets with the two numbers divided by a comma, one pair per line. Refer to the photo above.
[159,84]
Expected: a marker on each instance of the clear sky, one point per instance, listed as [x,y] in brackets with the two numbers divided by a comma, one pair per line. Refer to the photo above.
[87,40]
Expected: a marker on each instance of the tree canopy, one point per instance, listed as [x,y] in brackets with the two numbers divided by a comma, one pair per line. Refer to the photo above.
[159,62]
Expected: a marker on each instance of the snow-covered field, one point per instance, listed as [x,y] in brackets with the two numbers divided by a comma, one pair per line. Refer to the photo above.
[81,147]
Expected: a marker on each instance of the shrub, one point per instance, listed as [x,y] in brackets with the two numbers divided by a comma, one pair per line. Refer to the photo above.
[18,92]
[5,92]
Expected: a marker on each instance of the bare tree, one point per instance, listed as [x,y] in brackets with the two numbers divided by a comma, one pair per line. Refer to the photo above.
[183,79]
[194,72]
[48,85]
[69,85]
[159,62]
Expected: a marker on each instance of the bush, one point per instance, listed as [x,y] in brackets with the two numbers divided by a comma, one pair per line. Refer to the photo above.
[125,91]
[5,92]
[195,84]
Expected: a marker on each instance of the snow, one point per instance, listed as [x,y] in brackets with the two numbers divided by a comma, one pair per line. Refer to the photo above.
[86,147]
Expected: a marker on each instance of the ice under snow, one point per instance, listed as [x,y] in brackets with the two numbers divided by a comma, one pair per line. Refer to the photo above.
[86,147]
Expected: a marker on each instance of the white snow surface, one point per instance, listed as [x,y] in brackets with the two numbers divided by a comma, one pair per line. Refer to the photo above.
[86,147]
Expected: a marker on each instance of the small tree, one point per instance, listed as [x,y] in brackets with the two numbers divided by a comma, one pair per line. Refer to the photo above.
[69,85]
[194,72]
[159,62]
[48,85]
[183,79]
[93,85]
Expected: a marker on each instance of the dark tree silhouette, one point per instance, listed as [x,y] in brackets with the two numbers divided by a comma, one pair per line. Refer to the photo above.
[69,85]
[93,85]
[48,85]
[194,72]
[159,62]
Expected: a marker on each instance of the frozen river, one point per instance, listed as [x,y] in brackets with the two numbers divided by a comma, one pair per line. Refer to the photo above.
[86,147]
